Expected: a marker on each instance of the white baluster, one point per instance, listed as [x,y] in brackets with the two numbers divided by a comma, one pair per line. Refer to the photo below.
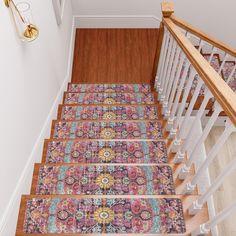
[223,64]
[214,50]
[182,104]
[177,97]
[166,65]
[171,82]
[204,229]
[201,44]
[198,204]
[194,153]
[179,157]
[190,186]
[174,87]
[182,130]
[170,67]
[164,60]
[161,61]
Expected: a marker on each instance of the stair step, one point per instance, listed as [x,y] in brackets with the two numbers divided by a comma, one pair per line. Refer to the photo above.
[77,151]
[64,215]
[103,179]
[118,88]
[108,98]
[106,130]
[108,112]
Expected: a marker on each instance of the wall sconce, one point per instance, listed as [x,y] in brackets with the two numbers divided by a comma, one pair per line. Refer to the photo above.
[23,19]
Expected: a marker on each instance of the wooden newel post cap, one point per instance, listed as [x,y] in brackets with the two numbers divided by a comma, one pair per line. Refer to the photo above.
[167,8]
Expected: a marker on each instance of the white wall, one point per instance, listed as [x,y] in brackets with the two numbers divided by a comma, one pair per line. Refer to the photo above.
[216,17]
[32,75]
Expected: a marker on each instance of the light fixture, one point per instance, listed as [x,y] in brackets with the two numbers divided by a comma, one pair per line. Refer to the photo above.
[23,19]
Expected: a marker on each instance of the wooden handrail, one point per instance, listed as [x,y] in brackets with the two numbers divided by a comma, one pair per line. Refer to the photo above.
[218,44]
[218,87]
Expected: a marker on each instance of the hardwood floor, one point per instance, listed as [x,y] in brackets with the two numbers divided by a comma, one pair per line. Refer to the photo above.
[226,194]
[114,55]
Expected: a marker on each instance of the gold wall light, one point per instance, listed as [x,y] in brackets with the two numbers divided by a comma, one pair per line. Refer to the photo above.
[21,13]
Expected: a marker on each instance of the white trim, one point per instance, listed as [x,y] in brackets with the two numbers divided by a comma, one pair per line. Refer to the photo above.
[22,184]
[117,21]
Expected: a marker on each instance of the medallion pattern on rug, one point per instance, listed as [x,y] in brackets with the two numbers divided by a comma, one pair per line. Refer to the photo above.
[109,98]
[119,215]
[106,88]
[73,151]
[110,180]
[109,113]
[107,130]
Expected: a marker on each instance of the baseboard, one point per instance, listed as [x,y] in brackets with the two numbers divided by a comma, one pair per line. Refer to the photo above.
[117,21]
[9,218]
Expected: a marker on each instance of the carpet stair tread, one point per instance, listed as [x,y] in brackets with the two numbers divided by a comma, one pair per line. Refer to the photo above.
[106,130]
[77,151]
[108,112]
[103,179]
[98,88]
[108,98]
[94,214]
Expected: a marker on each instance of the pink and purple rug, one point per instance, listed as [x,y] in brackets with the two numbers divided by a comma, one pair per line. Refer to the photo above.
[108,180]
[109,113]
[107,130]
[75,151]
[71,215]
[108,88]
[109,98]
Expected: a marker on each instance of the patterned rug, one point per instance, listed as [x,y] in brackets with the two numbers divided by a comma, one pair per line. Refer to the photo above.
[106,215]
[104,169]
[106,88]
[109,98]
[105,130]
[109,113]
[110,180]
[227,71]
[74,151]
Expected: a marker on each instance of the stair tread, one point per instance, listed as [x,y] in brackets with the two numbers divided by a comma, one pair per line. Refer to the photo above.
[97,214]
[77,151]
[109,87]
[68,112]
[109,98]
[106,169]
[106,130]
[103,179]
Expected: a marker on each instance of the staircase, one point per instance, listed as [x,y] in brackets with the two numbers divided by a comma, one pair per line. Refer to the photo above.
[120,160]
[105,168]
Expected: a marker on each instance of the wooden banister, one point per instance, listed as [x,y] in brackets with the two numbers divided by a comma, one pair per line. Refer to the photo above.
[218,44]
[218,87]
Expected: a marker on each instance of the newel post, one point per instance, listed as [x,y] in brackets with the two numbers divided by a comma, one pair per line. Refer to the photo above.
[167,9]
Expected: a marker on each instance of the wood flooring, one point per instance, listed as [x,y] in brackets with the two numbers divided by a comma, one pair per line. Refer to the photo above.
[114,55]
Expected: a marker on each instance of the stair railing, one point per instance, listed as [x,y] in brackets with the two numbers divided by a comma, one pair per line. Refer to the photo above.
[211,46]
[186,82]
[204,229]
